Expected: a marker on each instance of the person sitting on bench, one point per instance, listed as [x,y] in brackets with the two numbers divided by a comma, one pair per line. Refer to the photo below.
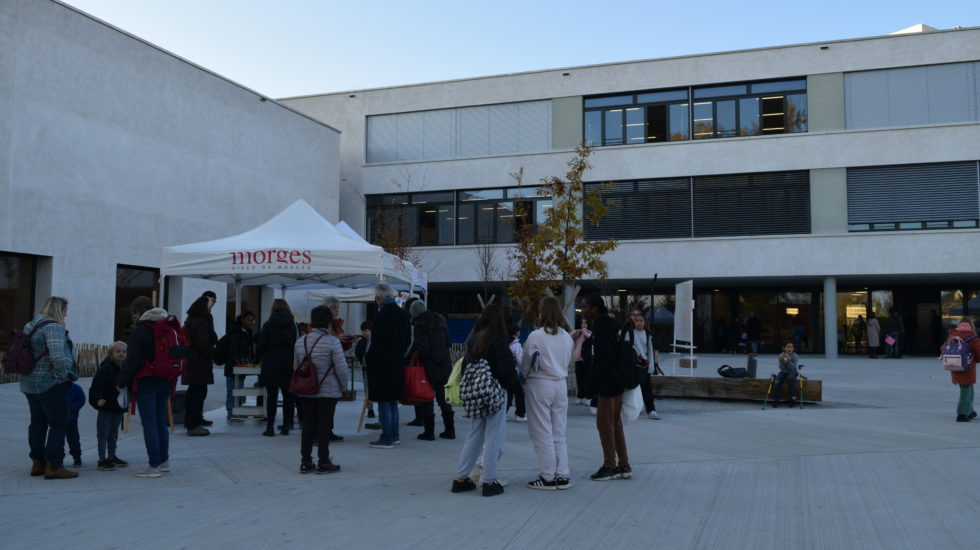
[788,363]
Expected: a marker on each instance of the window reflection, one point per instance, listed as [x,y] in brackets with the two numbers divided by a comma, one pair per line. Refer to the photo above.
[635,125]
[748,117]
[613,128]
[704,126]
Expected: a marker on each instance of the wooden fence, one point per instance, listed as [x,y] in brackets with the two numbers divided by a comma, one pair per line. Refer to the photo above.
[89,357]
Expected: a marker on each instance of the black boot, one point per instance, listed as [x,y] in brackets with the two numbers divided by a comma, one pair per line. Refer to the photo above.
[416,422]
[429,421]
[450,424]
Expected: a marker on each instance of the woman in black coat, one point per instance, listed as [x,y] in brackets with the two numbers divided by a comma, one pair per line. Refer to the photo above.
[199,370]
[275,352]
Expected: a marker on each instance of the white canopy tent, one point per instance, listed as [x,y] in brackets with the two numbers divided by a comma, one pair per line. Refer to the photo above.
[295,247]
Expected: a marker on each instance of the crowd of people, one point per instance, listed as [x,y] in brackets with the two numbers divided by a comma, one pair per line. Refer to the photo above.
[532,376]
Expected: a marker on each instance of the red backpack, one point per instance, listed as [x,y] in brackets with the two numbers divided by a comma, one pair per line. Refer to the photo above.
[169,350]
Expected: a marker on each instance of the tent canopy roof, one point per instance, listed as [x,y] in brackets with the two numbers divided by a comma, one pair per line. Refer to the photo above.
[296,246]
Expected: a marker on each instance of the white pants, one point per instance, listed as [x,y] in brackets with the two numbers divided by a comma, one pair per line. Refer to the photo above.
[547,417]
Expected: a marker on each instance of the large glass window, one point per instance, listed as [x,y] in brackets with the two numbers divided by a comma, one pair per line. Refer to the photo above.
[132,282]
[633,119]
[17,279]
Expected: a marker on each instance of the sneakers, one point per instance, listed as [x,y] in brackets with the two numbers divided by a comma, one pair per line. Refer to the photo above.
[973,414]
[77,463]
[959,418]
[492,489]
[164,466]
[327,468]
[605,474]
[106,465]
[463,486]
[625,472]
[380,444]
[149,472]
[207,423]
[543,484]
[307,468]
[198,431]
[520,419]
[652,415]
[562,483]
[448,434]
[373,425]
[427,436]
[118,462]
[269,433]
[334,438]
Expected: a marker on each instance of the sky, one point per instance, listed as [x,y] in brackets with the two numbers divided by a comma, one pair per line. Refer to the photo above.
[288,48]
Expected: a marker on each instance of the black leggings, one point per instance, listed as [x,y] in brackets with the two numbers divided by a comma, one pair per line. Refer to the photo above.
[582,380]
[194,406]
[647,392]
[318,425]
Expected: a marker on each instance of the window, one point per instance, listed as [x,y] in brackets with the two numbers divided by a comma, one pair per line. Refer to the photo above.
[750,109]
[132,282]
[18,273]
[510,128]
[636,118]
[436,212]
[913,196]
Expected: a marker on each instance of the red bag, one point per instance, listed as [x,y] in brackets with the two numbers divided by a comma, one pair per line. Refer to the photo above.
[417,387]
[305,380]
[170,351]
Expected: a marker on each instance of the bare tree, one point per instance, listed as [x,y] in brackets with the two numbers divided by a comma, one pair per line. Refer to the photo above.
[489,270]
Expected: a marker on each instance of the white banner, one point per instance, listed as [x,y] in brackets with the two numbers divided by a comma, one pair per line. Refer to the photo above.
[684,312]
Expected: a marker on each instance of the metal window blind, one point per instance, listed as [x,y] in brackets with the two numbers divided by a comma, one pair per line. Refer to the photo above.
[653,209]
[381,132]
[772,203]
[912,193]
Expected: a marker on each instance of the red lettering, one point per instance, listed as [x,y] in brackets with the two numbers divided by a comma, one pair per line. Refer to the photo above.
[255,257]
[307,259]
[292,257]
[282,256]
[234,258]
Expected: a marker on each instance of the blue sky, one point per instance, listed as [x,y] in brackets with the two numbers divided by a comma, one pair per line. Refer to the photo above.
[296,47]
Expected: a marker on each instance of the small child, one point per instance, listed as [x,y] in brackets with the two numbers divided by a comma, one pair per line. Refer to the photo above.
[788,363]
[517,397]
[76,400]
[103,395]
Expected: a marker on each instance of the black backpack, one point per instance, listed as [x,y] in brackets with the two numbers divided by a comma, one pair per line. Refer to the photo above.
[629,367]
[729,371]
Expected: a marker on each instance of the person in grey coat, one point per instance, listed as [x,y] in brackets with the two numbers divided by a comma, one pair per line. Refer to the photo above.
[327,355]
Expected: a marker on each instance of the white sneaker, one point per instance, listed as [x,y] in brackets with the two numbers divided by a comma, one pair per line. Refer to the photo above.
[520,419]
[148,472]
[165,467]
[652,415]
[593,410]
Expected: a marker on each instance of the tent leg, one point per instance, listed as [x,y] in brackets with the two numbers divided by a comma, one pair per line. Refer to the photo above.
[163,291]
[238,299]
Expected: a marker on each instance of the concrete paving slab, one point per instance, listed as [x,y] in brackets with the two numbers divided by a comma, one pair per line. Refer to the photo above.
[880,464]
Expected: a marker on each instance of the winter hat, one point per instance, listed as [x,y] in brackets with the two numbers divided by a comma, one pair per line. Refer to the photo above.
[965,326]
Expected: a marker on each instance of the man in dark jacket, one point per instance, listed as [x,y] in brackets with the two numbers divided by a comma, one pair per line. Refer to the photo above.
[608,389]
[387,357]
[431,341]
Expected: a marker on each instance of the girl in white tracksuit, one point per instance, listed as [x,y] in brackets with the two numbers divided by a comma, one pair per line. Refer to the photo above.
[544,363]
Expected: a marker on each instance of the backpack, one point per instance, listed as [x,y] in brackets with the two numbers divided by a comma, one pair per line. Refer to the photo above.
[630,368]
[480,393]
[729,371]
[957,355]
[20,358]
[170,350]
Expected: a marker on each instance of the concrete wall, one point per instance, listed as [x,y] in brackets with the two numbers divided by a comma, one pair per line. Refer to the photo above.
[111,149]
[825,102]
[828,201]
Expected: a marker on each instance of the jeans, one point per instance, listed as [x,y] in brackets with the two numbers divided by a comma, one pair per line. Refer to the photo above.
[318,425]
[73,439]
[965,406]
[49,419]
[271,403]
[790,377]
[229,398]
[609,422]
[107,430]
[194,406]
[152,401]
[490,433]
[388,417]
[547,417]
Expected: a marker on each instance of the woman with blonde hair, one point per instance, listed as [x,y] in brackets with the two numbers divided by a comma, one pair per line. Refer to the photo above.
[46,388]
[547,353]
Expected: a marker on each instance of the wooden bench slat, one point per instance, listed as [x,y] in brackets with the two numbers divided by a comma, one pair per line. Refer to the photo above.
[727,388]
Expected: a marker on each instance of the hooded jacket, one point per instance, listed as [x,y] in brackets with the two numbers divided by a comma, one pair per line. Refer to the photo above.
[275,349]
[432,345]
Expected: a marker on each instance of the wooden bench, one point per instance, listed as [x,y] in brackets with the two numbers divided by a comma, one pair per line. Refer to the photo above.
[750,389]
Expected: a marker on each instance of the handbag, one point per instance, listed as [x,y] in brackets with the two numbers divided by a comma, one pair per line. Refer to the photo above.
[417,388]
[452,386]
[632,405]
[304,380]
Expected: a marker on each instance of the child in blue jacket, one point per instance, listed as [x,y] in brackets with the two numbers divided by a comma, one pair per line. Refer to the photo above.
[76,400]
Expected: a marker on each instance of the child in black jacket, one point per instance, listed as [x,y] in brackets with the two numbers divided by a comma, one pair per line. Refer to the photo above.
[104,397]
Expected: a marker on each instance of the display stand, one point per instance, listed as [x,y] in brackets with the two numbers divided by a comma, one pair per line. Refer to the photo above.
[241,412]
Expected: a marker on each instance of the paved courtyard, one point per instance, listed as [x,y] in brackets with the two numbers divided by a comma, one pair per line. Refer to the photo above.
[879,464]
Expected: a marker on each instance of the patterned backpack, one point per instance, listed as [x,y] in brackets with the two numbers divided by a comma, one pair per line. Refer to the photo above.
[479,391]
[957,356]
